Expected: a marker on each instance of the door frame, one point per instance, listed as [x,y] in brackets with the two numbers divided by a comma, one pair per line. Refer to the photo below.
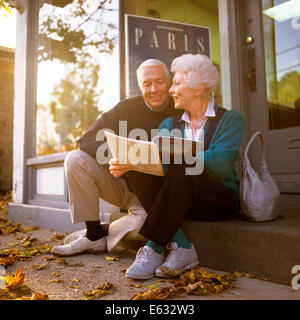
[246,21]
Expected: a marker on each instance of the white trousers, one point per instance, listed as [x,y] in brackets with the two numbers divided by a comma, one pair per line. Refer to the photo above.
[87,182]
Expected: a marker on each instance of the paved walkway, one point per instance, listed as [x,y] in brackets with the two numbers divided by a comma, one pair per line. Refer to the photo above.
[64,279]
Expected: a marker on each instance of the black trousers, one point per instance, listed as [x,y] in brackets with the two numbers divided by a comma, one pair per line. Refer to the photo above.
[170,199]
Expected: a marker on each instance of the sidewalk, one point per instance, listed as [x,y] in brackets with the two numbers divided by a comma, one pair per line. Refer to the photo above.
[76,277]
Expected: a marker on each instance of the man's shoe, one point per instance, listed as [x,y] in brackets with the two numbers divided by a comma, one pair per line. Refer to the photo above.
[80,246]
[146,261]
[76,234]
[178,260]
[73,236]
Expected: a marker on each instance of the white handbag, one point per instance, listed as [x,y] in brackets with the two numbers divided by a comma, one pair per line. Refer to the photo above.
[259,194]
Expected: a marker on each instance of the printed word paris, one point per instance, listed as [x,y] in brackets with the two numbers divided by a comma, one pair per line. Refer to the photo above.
[173,39]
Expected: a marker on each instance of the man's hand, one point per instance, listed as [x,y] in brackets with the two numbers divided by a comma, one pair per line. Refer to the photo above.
[117,169]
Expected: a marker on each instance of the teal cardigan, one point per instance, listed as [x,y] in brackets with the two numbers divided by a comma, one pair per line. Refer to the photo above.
[223,151]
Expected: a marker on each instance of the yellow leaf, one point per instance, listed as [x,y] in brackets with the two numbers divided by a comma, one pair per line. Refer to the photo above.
[112,258]
[15,281]
[152,286]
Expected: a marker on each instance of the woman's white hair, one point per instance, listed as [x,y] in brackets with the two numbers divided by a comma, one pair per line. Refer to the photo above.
[198,70]
[152,63]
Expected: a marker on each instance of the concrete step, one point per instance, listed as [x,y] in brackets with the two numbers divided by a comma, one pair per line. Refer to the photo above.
[267,249]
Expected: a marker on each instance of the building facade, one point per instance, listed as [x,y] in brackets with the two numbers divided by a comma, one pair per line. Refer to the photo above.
[76,59]
[6,118]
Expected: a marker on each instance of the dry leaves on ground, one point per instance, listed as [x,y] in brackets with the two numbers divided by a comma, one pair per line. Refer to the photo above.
[4,200]
[193,282]
[16,290]
[25,252]
[7,227]
[112,258]
[99,291]
[5,262]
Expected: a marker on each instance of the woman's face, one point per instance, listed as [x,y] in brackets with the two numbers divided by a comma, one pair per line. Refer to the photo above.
[182,94]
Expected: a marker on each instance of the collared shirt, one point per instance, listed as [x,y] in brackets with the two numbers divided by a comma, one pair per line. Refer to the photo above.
[197,135]
[157,110]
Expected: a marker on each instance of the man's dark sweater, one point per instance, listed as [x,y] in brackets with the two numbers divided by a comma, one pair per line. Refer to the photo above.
[137,115]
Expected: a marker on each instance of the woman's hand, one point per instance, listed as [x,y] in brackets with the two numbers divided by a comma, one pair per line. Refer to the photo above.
[117,169]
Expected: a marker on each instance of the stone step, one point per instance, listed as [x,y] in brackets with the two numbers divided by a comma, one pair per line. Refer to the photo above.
[267,249]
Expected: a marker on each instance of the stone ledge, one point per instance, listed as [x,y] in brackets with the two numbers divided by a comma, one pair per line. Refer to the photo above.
[52,218]
[267,249]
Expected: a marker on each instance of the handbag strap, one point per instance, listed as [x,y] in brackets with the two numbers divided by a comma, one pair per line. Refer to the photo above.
[211,128]
[246,159]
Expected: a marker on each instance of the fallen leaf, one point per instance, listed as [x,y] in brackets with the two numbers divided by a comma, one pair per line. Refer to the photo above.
[15,281]
[101,290]
[7,227]
[5,262]
[76,280]
[160,280]
[39,296]
[39,266]
[57,280]
[56,274]
[95,294]
[171,273]
[112,258]
[134,285]
[44,248]
[57,237]
[238,274]
[61,261]
[27,244]
[49,258]
[105,286]
[15,293]
[30,228]
[152,286]
[154,294]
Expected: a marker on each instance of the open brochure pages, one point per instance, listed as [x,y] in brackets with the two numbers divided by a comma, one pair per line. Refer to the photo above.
[147,157]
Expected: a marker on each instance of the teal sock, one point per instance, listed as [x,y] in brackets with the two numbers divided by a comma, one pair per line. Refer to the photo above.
[181,240]
[156,247]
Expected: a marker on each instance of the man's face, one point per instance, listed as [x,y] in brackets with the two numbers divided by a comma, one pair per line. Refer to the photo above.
[154,86]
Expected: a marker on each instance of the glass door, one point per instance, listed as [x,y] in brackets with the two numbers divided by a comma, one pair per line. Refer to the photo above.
[281,26]
[274,105]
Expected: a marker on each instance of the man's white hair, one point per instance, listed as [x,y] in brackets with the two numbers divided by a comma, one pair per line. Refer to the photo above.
[151,63]
[198,69]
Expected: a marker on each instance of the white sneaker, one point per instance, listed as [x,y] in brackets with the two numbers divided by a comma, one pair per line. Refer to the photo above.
[146,261]
[178,260]
[73,236]
[79,246]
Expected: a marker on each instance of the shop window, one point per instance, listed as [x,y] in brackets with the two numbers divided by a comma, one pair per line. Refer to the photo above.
[75,75]
[281,24]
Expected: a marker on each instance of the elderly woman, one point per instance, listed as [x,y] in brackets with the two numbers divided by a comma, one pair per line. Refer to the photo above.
[209,196]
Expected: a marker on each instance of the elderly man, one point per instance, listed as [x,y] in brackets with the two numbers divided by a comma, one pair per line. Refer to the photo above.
[88,179]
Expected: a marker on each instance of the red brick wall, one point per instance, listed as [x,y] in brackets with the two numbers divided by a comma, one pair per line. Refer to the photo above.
[6,117]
